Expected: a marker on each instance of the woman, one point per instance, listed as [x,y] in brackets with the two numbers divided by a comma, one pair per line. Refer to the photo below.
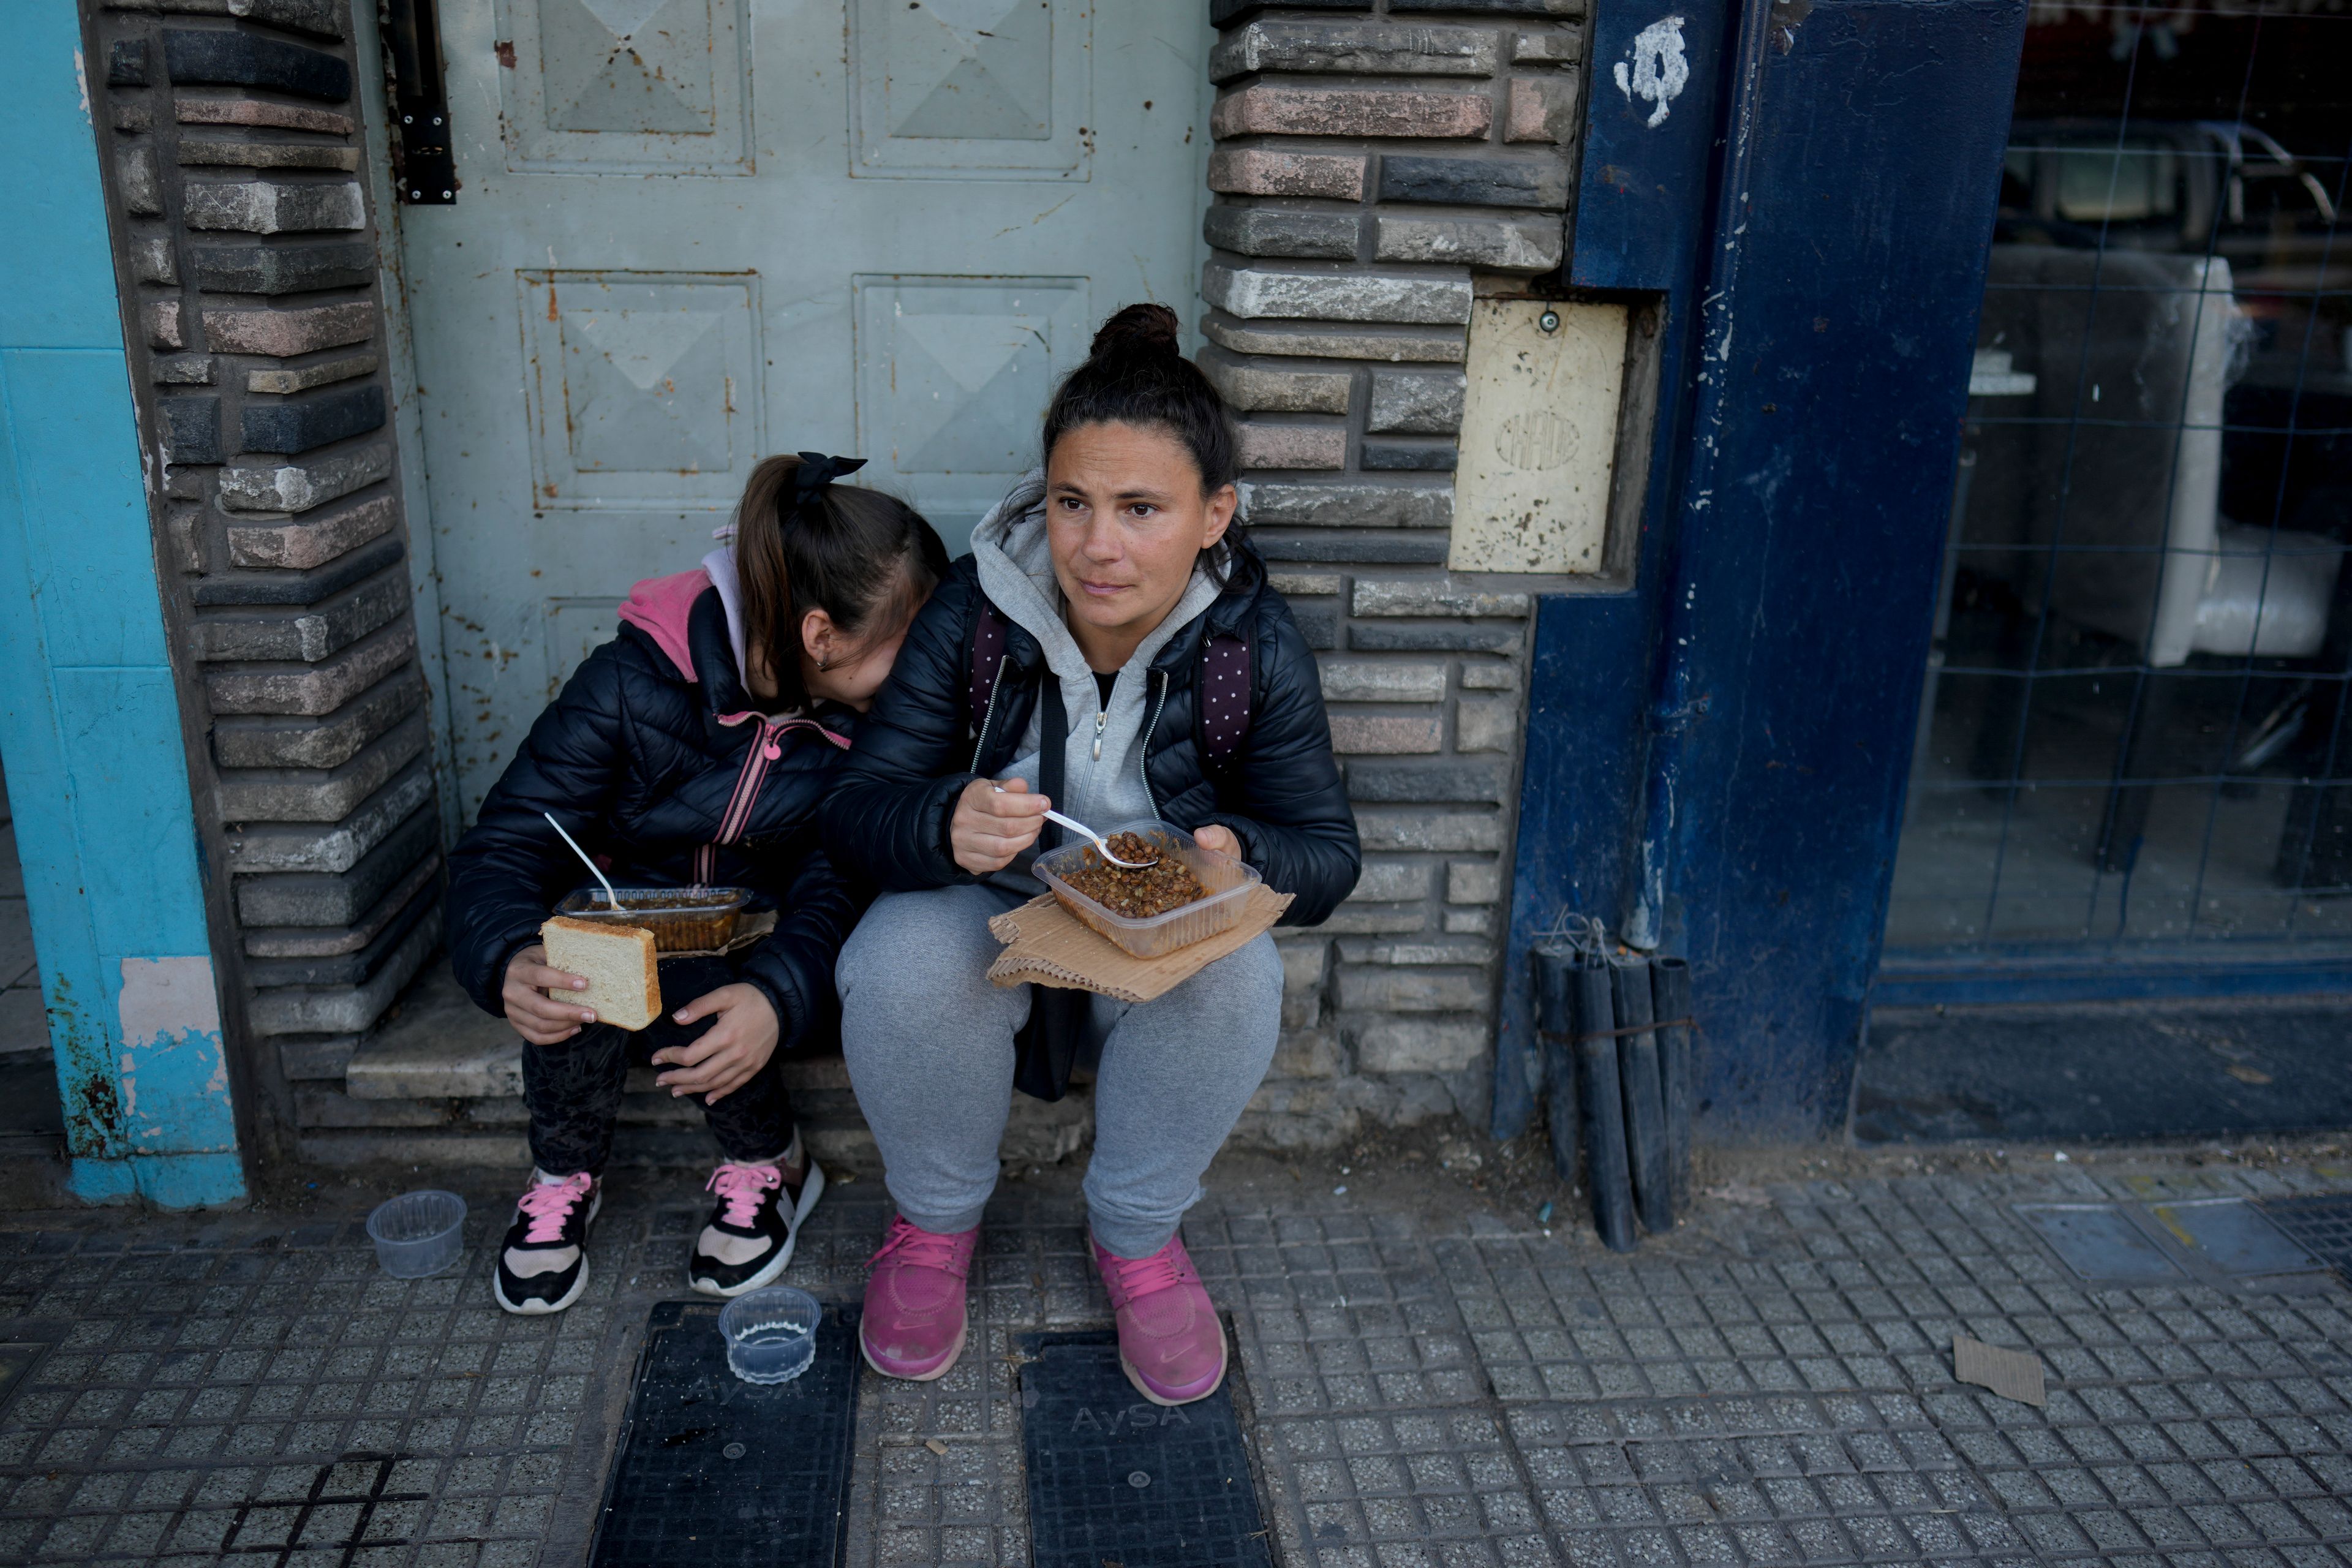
[692,750]
[1114,639]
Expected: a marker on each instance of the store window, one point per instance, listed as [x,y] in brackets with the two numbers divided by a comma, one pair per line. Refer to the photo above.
[2135,726]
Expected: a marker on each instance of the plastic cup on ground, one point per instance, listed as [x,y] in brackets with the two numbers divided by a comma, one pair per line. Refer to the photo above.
[417,1234]
[771,1334]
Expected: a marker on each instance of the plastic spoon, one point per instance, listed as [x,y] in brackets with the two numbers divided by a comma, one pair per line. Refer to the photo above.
[1075,826]
[597,870]
[1100,842]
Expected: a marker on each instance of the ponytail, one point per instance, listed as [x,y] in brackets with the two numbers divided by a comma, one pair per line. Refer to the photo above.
[802,542]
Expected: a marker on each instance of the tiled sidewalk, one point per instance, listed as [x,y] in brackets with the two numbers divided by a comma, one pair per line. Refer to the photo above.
[1425,1383]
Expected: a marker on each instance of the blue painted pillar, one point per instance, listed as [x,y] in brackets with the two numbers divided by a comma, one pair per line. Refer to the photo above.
[89,722]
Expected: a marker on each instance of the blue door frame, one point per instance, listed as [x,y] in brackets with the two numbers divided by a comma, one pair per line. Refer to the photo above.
[1716,756]
[90,713]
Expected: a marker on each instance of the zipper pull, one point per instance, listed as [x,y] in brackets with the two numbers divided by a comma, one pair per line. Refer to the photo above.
[1101,719]
[770,740]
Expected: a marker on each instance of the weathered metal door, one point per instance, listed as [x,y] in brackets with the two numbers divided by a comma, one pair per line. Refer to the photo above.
[693,232]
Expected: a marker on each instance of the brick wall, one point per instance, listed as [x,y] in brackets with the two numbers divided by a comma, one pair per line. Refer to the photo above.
[1377,168]
[233,161]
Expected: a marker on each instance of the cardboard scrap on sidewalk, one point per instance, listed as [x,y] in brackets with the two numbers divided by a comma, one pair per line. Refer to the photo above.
[1047,945]
[2012,1374]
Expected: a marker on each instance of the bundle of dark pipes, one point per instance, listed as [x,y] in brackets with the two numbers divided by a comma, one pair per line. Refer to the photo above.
[1616,1029]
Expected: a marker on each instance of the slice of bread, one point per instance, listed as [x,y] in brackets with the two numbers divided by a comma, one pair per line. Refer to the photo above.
[618,963]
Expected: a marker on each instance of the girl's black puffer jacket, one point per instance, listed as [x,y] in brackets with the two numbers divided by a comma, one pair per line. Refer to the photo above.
[889,810]
[633,759]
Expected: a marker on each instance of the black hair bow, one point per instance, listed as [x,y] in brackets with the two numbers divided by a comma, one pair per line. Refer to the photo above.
[817,473]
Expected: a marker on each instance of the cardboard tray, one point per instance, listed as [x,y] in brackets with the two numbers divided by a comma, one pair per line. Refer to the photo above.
[1047,945]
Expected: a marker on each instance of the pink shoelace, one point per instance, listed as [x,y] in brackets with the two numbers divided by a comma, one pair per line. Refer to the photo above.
[1126,1279]
[911,1244]
[550,1205]
[740,1186]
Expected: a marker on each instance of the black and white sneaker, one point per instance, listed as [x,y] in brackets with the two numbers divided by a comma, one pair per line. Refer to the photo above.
[748,1240]
[543,1262]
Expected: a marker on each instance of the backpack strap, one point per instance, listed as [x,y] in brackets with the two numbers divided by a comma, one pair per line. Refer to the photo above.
[987,660]
[1225,676]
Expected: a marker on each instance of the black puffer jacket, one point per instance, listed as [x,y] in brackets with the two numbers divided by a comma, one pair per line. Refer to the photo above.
[888,811]
[633,759]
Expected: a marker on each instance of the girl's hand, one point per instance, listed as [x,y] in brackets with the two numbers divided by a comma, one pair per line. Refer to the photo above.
[992,824]
[1221,839]
[538,1017]
[735,1047]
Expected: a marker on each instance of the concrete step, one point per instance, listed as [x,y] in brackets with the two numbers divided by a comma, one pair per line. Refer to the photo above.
[438,1082]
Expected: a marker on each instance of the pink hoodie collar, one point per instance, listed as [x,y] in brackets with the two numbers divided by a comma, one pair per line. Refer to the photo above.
[660,606]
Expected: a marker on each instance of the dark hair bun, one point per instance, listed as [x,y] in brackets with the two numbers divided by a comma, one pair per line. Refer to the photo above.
[1149,330]
[1138,374]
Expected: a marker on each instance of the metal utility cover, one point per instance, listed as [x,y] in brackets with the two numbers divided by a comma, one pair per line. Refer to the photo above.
[2234,1236]
[1115,1479]
[16,1359]
[1538,437]
[716,1471]
[2098,1241]
[2322,1225]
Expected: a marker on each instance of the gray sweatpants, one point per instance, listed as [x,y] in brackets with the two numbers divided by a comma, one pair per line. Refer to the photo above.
[929,1047]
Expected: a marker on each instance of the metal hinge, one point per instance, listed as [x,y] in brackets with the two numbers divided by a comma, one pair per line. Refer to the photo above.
[425,169]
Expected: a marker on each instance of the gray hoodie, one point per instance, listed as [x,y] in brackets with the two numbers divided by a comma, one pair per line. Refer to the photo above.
[1102,782]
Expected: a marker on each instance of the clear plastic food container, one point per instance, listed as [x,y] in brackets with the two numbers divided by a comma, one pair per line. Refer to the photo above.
[771,1334]
[1228,882]
[418,1233]
[683,920]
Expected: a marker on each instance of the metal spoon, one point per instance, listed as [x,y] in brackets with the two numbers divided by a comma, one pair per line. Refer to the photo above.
[1075,826]
[598,870]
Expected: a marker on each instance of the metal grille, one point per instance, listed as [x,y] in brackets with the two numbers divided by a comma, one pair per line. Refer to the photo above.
[333,1519]
[2323,1226]
[1116,1479]
[716,1471]
[2134,727]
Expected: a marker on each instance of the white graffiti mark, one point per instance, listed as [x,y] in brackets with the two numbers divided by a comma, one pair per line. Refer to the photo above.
[1660,70]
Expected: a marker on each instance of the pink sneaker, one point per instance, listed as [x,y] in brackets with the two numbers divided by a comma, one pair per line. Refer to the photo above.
[914,1322]
[1171,1344]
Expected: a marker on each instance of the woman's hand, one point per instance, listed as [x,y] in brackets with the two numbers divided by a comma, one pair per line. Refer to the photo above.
[991,824]
[538,1017]
[734,1048]
[1221,839]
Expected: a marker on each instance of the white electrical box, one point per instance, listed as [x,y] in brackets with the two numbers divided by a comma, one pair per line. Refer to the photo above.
[1538,437]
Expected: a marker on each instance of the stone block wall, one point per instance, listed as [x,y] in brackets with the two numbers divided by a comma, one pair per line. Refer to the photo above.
[1377,168]
[229,139]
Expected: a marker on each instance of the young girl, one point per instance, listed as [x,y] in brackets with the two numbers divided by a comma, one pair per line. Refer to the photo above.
[692,750]
[1111,647]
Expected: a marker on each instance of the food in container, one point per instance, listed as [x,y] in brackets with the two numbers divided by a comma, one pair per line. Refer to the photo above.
[683,920]
[1225,883]
[1150,884]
